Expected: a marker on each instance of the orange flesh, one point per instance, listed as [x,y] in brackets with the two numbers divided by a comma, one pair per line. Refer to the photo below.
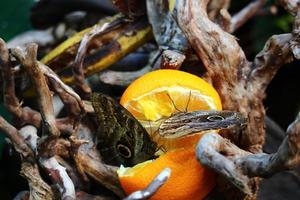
[152,98]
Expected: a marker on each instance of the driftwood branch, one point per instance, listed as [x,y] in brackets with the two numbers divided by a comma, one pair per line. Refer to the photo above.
[59,176]
[152,188]
[122,78]
[229,70]
[238,166]
[286,157]
[14,136]
[199,27]
[28,59]
[56,172]
[290,5]
[213,151]
[215,6]
[38,188]
[49,146]
[217,11]
[171,59]
[245,14]
[11,101]
[29,169]
[71,100]
[226,66]
[267,62]
[216,48]
[82,51]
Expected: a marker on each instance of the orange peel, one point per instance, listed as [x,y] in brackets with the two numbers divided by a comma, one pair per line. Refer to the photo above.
[188,180]
[154,97]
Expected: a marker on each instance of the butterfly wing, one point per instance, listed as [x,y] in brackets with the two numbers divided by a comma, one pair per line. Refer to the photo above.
[121,138]
[185,123]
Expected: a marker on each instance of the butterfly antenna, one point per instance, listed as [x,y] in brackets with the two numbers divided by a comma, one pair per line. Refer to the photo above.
[188,102]
[173,103]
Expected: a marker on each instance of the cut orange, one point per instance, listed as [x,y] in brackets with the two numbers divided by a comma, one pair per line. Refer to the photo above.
[153,98]
[158,94]
[188,180]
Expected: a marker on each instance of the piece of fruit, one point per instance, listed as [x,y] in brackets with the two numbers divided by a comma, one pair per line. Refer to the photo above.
[188,180]
[156,95]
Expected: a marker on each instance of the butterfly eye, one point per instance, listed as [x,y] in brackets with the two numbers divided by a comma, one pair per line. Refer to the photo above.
[215,118]
[124,150]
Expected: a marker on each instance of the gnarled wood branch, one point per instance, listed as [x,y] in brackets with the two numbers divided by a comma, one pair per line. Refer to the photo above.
[245,14]
[152,188]
[241,85]
[28,59]
[11,101]
[239,166]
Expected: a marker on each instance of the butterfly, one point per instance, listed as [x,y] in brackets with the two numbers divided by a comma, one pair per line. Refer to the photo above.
[181,124]
[121,139]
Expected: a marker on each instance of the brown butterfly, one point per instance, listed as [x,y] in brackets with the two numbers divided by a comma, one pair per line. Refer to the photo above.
[184,123]
[123,140]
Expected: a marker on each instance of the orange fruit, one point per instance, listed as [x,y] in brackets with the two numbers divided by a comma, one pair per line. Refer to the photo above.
[153,98]
[188,180]
[157,95]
